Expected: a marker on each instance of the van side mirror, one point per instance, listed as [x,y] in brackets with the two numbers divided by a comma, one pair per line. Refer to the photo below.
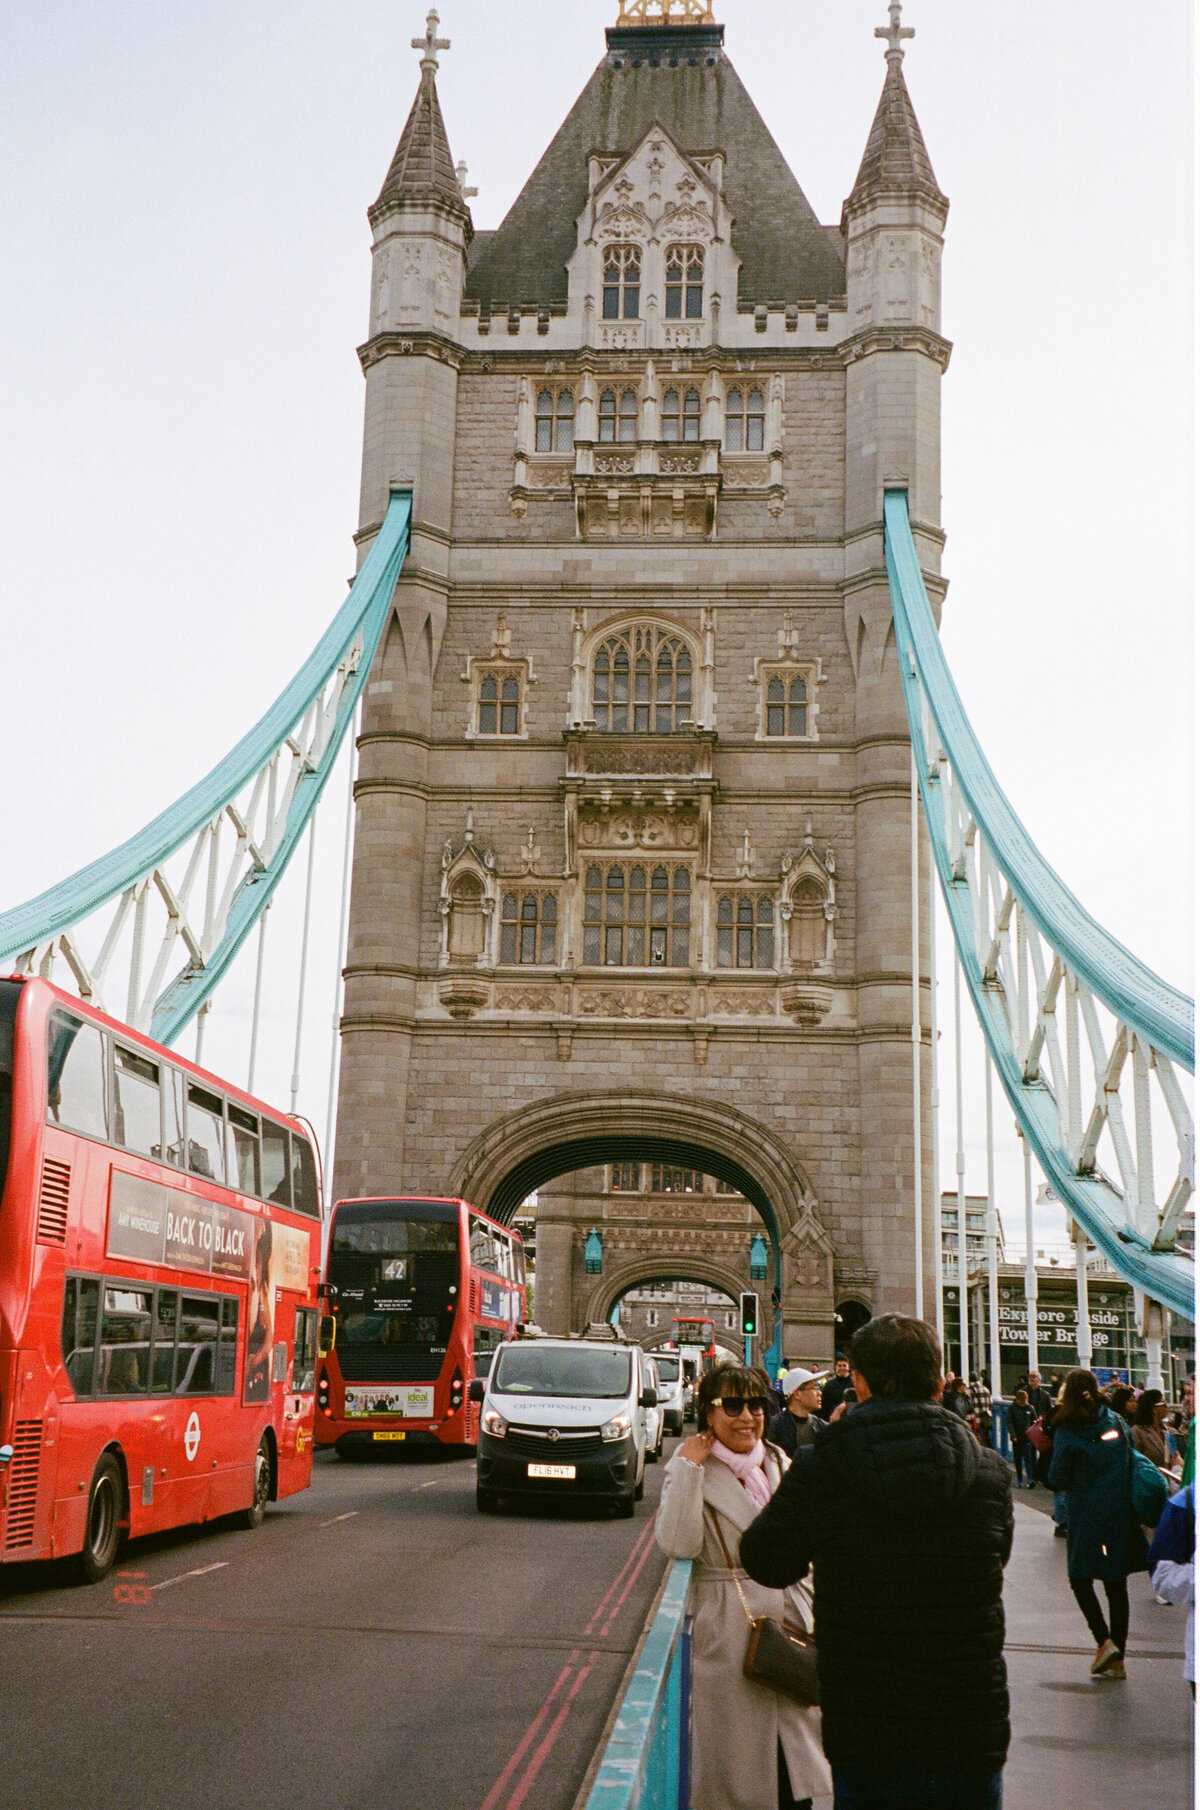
[327,1335]
[477,1389]
[649,1398]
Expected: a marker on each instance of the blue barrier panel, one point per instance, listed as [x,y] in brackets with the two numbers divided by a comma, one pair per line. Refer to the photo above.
[1000,1428]
[645,1764]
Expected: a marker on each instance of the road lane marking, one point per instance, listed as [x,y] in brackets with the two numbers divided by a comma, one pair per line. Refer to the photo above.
[337,1518]
[549,1740]
[200,1571]
[530,1735]
[431,1485]
[630,1581]
[644,1542]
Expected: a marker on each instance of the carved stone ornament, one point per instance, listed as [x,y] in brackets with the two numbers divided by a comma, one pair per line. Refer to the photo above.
[806,1005]
[524,999]
[633,1002]
[650,760]
[742,1002]
[632,828]
[462,995]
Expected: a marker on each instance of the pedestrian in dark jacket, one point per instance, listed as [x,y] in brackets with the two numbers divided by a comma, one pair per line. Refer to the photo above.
[1039,1398]
[798,1424]
[835,1387]
[1020,1418]
[1092,1458]
[906,1523]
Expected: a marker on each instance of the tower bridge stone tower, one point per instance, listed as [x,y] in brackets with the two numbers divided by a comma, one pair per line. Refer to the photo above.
[631,865]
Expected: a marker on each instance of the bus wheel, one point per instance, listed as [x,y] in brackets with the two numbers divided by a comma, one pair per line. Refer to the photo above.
[103,1534]
[486,1501]
[256,1513]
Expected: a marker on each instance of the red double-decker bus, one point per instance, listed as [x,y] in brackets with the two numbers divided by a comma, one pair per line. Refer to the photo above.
[422,1291]
[160,1250]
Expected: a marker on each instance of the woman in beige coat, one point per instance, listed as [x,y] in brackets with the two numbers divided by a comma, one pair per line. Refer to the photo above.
[752,1749]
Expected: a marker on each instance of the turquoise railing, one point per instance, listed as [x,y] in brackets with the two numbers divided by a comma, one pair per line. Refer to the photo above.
[646,1761]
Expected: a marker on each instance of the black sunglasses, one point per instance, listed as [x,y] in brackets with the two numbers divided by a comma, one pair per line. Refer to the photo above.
[733,1404]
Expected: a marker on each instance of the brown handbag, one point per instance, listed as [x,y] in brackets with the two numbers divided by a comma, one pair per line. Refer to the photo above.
[778,1655]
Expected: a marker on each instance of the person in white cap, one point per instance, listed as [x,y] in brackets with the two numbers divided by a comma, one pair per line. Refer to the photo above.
[797,1423]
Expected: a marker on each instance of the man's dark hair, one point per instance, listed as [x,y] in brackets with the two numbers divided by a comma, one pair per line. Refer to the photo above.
[899,1357]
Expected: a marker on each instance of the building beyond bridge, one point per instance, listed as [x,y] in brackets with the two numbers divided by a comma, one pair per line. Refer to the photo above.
[631,868]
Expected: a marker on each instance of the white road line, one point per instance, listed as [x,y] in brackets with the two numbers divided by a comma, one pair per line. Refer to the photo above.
[202,1571]
[337,1518]
[432,1485]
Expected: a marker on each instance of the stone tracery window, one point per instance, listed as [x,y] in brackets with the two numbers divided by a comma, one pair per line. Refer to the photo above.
[637,917]
[622,282]
[498,710]
[745,930]
[529,928]
[554,422]
[625,1178]
[618,424]
[680,424]
[642,681]
[685,282]
[745,421]
[787,705]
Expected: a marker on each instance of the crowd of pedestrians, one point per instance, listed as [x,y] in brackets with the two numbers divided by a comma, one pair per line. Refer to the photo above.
[867,1514]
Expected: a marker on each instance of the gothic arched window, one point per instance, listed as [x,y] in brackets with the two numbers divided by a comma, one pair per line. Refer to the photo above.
[807,937]
[529,928]
[622,283]
[499,703]
[685,283]
[745,421]
[634,917]
[787,706]
[555,422]
[677,424]
[642,681]
[745,931]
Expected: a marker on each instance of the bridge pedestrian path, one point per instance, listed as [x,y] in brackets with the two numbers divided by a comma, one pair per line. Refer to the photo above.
[1077,1744]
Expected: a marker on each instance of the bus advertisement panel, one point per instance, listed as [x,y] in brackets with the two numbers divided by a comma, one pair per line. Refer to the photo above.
[160,1239]
[422,1291]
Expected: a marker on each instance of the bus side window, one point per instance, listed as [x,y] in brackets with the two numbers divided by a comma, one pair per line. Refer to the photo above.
[304,1178]
[125,1340]
[135,1116]
[227,1349]
[205,1133]
[486,1341]
[162,1361]
[304,1352]
[81,1301]
[195,1361]
[275,1164]
[75,1076]
[172,1111]
[243,1150]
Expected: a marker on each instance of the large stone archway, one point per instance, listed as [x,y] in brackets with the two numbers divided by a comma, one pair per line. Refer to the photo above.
[608,1291]
[527,1149]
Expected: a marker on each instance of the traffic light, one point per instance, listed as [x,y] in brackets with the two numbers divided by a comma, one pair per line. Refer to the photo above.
[749,1315]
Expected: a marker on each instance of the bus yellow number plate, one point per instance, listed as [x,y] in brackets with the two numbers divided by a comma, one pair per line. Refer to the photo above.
[389,1436]
[561,1472]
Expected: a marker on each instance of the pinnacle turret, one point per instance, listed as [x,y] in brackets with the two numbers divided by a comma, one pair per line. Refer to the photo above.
[895,161]
[423,169]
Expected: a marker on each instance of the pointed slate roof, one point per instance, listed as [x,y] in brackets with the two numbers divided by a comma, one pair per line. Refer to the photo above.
[895,160]
[694,93]
[423,169]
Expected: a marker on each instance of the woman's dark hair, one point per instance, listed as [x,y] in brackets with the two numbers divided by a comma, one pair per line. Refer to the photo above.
[1081,1400]
[728,1379]
[1119,1397]
[899,1357]
[1148,1400]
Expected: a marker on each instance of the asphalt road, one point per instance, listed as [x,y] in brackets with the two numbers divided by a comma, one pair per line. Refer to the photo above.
[376,1643]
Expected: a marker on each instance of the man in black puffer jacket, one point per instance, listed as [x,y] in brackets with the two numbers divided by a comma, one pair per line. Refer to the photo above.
[906,1522]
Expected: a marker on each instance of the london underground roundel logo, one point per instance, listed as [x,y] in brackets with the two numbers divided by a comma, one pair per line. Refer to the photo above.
[191,1438]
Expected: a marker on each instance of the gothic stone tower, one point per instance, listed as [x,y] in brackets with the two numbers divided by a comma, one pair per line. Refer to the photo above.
[631,867]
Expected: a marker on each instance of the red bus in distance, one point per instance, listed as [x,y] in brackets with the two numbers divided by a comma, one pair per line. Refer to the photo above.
[423,1289]
[160,1249]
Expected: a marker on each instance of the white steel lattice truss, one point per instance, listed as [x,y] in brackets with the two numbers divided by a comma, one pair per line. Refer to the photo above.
[165,914]
[1088,1043]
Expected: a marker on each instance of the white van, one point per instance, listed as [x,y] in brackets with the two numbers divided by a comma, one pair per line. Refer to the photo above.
[669,1365]
[563,1418]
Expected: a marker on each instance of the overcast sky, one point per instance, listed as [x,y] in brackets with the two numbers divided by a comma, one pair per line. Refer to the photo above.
[183,210]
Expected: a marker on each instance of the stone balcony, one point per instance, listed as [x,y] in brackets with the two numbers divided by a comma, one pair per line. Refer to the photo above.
[646,489]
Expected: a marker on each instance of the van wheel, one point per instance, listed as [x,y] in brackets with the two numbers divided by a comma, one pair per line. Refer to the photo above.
[486,1501]
[255,1515]
[624,1505]
[652,1454]
[639,1488]
[103,1531]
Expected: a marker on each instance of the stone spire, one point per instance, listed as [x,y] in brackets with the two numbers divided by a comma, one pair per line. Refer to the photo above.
[895,161]
[423,170]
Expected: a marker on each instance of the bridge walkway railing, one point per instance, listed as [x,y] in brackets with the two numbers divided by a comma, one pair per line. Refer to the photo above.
[645,1763]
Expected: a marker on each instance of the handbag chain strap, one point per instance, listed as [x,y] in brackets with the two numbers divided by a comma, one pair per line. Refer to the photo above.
[736,1569]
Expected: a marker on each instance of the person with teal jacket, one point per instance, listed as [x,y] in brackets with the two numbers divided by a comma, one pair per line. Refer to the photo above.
[1091,1462]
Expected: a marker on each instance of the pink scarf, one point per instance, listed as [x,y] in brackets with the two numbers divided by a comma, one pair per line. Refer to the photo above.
[747,1467]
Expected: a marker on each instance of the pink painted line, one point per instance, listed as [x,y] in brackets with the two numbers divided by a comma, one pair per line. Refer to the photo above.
[549,1740]
[644,1541]
[530,1735]
[630,1581]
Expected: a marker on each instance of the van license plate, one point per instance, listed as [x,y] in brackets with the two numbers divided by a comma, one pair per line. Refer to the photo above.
[560,1472]
[389,1436]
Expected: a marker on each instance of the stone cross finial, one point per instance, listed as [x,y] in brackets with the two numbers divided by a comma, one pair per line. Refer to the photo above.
[430,44]
[461,178]
[894,33]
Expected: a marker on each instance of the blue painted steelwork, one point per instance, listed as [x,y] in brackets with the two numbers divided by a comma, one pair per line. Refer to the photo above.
[1136,997]
[645,1764]
[351,641]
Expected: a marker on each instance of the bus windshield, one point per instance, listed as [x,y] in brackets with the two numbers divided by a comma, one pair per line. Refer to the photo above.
[393,1279]
[528,1370]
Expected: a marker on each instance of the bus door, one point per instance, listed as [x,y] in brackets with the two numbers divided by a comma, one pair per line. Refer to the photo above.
[299,1398]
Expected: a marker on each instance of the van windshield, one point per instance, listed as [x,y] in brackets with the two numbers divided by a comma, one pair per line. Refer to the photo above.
[668,1369]
[596,1375]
